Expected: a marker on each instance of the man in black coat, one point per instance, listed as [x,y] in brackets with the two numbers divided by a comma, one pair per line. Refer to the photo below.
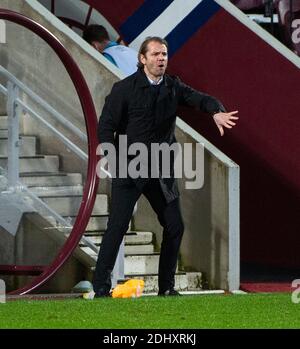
[143,108]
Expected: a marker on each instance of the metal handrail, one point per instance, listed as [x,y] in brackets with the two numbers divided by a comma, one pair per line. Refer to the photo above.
[59,117]
[43,103]
[86,240]
[119,269]
[90,188]
[64,139]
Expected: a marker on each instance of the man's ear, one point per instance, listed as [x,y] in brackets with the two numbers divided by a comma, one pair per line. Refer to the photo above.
[98,46]
[95,44]
[143,59]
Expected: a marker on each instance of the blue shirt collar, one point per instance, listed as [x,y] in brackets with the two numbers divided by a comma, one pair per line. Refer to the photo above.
[111,44]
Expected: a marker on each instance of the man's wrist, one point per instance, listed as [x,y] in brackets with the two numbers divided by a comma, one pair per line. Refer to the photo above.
[216,112]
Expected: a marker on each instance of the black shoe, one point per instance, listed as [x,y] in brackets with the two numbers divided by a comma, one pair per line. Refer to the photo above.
[102,293]
[170,292]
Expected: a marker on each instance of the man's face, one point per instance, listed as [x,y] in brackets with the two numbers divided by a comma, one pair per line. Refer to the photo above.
[155,60]
[99,46]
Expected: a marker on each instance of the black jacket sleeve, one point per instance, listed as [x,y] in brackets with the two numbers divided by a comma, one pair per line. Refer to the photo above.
[111,116]
[199,100]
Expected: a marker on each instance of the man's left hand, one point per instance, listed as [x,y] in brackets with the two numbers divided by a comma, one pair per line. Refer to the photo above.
[225,119]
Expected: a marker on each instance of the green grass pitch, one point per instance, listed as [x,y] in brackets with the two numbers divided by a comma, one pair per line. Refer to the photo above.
[254,311]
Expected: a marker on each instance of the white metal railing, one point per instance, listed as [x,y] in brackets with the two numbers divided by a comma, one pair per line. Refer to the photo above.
[15,106]
[43,103]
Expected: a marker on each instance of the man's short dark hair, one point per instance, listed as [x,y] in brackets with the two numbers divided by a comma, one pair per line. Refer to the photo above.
[144,47]
[95,32]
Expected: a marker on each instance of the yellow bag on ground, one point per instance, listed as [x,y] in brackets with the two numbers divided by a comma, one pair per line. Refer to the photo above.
[130,289]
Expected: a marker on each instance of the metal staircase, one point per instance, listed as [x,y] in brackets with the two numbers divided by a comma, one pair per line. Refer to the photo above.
[62,192]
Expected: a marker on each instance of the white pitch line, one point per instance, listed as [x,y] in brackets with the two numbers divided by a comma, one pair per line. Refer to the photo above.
[190,293]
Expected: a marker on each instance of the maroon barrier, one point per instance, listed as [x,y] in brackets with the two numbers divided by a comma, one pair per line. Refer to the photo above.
[90,116]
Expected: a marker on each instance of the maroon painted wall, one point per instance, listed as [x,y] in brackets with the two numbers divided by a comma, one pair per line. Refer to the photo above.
[121,9]
[231,62]
[227,60]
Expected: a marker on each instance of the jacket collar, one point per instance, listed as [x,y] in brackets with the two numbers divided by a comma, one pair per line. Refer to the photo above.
[142,80]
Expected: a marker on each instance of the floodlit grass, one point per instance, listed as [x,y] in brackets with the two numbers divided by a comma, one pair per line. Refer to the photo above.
[201,311]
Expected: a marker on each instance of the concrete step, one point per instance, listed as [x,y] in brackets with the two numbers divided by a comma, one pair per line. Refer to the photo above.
[96,223]
[46,191]
[191,281]
[69,205]
[135,264]
[139,237]
[101,221]
[39,179]
[129,249]
[185,283]
[38,163]
[3,133]
[27,146]
[131,238]
[141,264]
[3,122]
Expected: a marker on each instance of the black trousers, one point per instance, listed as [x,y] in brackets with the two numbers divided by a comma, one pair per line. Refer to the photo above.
[124,196]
